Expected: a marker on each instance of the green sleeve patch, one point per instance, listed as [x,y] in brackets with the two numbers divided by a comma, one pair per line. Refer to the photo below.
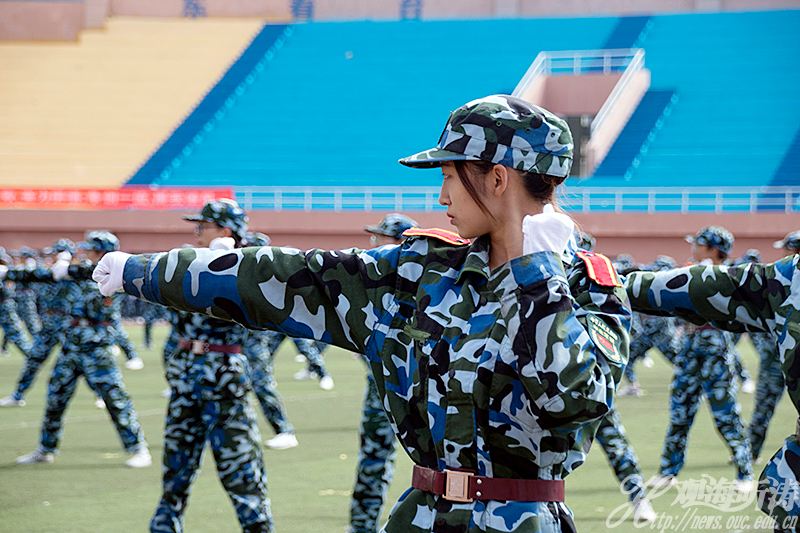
[605,339]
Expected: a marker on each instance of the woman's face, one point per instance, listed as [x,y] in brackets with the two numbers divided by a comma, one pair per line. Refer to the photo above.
[464,213]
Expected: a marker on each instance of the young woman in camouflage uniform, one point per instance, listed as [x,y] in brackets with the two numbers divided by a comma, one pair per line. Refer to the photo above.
[494,359]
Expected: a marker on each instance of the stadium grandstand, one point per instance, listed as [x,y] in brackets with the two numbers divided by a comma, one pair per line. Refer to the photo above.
[281,122]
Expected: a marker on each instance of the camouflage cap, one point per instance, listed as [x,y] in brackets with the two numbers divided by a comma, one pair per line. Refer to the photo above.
[63,245]
[791,242]
[256,238]
[662,263]
[27,252]
[225,213]
[586,241]
[393,225]
[750,256]
[624,263]
[505,130]
[715,237]
[100,241]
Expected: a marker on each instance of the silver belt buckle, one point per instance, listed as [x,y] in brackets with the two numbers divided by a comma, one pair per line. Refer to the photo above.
[199,347]
[456,486]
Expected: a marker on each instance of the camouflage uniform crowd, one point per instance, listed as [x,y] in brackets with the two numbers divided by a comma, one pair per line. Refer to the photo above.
[493,379]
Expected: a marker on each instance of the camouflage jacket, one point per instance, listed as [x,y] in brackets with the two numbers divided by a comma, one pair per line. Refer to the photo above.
[89,316]
[496,371]
[752,297]
[195,326]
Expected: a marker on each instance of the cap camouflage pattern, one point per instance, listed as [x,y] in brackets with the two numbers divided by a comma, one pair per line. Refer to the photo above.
[750,256]
[100,241]
[393,225]
[791,242]
[662,263]
[505,130]
[715,237]
[256,238]
[61,245]
[225,213]
[27,252]
[624,263]
[586,241]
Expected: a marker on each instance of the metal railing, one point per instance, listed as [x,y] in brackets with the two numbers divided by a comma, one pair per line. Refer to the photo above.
[577,62]
[573,198]
[635,65]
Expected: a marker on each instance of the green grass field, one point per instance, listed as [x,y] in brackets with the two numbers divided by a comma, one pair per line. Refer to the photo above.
[88,489]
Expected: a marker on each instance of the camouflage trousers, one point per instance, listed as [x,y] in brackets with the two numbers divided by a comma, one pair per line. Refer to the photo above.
[148,333]
[97,365]
[779,486]
[26,308]
[768,393]
[123,340]
[308,348]
[375,468]
[13,328]
[43,345]
[208,403]
[738,367]
[266,388]
[621,457]
[709,374]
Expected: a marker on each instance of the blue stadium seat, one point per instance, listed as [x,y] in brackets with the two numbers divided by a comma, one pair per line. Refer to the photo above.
[336,104]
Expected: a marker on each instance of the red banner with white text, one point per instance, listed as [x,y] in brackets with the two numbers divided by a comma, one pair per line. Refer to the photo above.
[110,199]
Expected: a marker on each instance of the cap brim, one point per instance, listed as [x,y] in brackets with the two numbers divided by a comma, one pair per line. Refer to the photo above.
[195,218]
[689,239]
[778,244]
[434,157]
[374,229]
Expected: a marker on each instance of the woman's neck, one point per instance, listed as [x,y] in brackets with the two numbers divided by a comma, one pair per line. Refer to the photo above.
[506,237]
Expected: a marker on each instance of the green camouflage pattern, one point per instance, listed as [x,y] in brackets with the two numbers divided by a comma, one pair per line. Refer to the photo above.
[621,457]
[769,390]
[86,351]
[715,237]
[751,297]
[503,372]
[505,130]
[375,468]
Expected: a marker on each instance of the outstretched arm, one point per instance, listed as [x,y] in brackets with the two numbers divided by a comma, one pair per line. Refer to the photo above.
[334,297]
[743,298]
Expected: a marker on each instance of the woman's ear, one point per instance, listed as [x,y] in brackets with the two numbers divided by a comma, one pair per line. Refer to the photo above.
[498,180]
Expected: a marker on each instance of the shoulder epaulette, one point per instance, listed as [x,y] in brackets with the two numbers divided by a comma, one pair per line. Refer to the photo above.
[437,233]
[600,269]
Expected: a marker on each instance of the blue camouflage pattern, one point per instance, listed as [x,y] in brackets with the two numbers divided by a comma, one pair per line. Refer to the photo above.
[208,403]
[756,298]
[496,371]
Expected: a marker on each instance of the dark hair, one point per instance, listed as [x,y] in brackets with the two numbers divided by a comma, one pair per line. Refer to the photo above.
[541,187]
